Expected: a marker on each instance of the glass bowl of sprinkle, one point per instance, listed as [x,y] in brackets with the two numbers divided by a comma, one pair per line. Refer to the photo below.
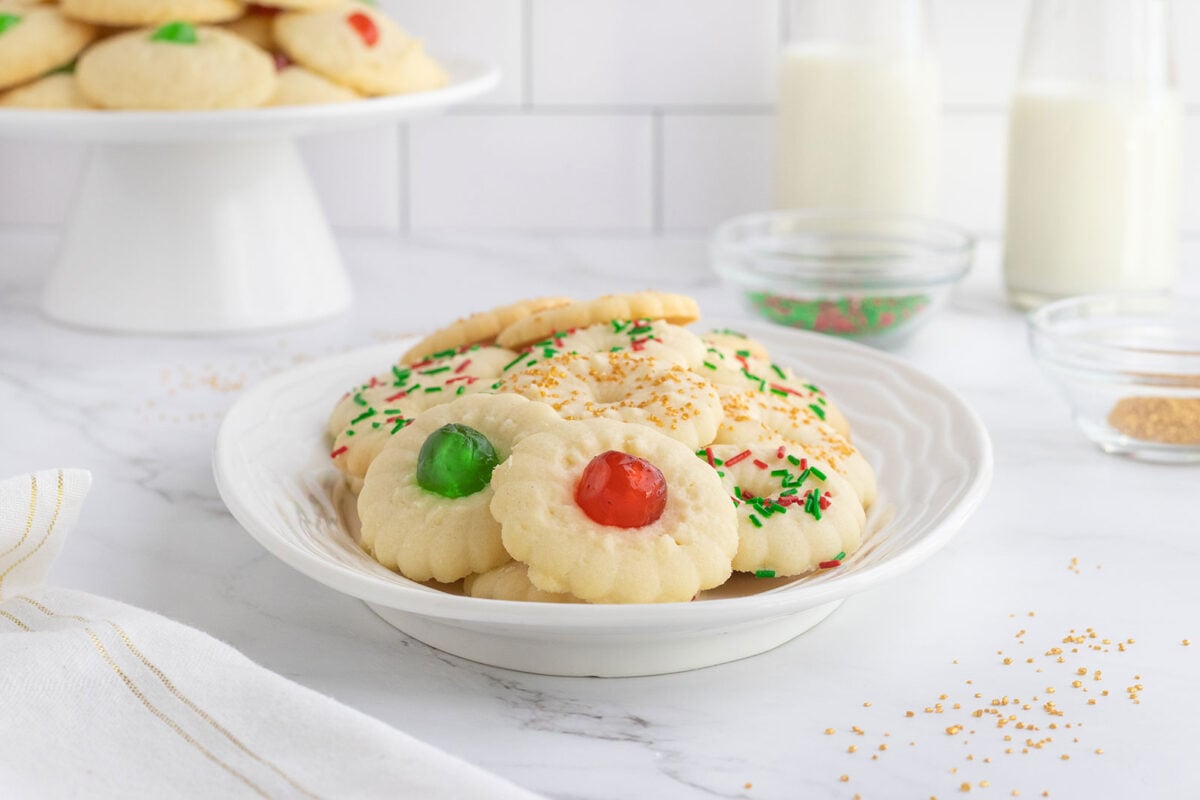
[1129,367]
[871,277]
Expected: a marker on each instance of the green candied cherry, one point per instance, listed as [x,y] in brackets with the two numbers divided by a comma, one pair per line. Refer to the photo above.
[8,22]
[175,33]
[455,461]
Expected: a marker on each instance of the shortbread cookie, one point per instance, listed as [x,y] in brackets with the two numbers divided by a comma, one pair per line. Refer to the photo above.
[753,418]
[740,369]
[366,417]
[37,39]
[614,513]
[674,308]
[655,339]
[297,86]
[55,91]
[299,5]
[176,66]
[357,46]
[511,582]
[666,397]
[130,13]
[736,341]
[257,26]
[425,500]
[479,328]
[795,513]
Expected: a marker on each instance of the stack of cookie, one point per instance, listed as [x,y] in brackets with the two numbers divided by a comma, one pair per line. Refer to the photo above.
[204,54]
[598,452]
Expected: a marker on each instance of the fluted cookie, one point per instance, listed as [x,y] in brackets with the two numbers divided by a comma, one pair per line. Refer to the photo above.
[297,86]
[367,416]
[657,394]
[357,46]
[794,513]
[511,582]
[425,501]
[479,328]
[131,13]
[55,91]
[614,513]
[37,39]
[176,66]
[674,308]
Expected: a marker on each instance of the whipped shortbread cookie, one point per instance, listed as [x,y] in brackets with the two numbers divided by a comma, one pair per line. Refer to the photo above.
[130,13]
[37,39]
[425,501]
[478,328]
[384,404]
[511,582]
[297,86]
[674,308]
[652,338]
[55,91]
[176,66]
[357,46]
[795,514]
[614,513]
[669,398]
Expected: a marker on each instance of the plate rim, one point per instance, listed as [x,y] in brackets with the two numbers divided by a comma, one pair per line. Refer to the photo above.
[467,611]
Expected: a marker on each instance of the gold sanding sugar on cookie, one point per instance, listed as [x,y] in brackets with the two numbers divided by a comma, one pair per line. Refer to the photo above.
[687,548]
[795,513]
[429,535]
[479,328]
[666,397]
[674,308]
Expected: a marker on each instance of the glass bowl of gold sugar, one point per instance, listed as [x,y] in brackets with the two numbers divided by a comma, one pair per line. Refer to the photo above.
[1129,367]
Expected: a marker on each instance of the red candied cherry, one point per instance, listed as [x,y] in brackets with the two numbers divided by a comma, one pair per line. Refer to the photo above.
[364,26]
[621,490]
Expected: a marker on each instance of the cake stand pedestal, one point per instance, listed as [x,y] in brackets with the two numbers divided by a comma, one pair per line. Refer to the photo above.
[207,222]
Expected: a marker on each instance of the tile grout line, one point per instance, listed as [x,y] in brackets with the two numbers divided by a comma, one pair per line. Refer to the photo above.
[657,174]
[404,158]
[527,55]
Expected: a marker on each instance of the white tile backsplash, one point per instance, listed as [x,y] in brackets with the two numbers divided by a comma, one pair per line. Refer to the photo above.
[660,53]
[484,30]
[355,176]
[532,172]
[713,167]
[623,115]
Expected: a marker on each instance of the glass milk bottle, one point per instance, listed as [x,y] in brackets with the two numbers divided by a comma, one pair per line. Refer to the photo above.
[859,106]
[1093,160]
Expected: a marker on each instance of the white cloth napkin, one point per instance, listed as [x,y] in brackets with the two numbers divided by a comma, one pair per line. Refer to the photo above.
[102,700]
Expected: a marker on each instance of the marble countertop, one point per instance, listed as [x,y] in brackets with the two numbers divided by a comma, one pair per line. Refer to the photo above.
[1043,652]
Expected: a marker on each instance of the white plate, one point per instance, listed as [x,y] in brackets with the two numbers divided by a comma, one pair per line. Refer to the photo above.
[468,79]
[931,452]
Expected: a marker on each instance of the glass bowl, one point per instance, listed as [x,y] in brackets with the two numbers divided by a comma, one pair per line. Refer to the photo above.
[871,277]
[1129,366]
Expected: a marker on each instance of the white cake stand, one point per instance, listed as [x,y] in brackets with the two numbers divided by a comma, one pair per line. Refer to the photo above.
[193,222]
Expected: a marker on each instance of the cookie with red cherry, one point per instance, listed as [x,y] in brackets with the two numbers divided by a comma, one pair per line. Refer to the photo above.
[357,46]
